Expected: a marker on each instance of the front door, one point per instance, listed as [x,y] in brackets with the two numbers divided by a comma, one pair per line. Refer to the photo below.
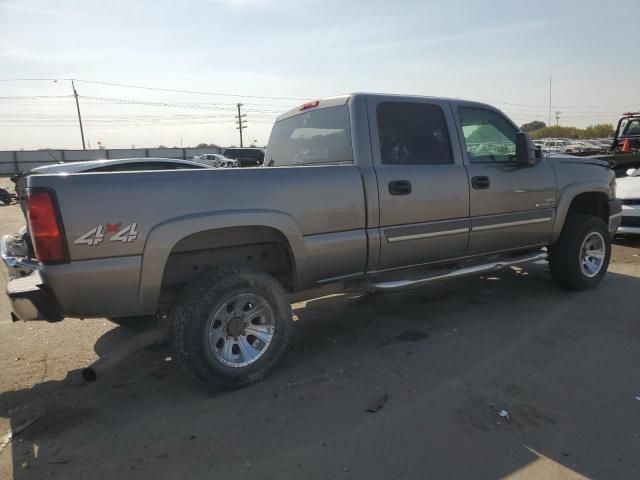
[422,183]
[511,205]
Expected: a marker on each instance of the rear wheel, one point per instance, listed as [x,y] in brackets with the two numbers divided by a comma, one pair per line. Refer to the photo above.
[230,326]
[580,257]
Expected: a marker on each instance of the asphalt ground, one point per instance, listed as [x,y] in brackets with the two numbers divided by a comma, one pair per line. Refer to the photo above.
[437,366]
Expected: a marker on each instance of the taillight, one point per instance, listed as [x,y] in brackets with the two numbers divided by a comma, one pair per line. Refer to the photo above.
[45,230]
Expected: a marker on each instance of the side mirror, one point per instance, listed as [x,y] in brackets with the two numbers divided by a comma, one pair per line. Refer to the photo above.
[526,151]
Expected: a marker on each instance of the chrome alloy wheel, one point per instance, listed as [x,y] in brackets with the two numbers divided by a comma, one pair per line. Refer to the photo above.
[592,254]
[241,330]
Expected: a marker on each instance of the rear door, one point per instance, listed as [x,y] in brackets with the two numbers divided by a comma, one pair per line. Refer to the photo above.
[422,183]
[511,205]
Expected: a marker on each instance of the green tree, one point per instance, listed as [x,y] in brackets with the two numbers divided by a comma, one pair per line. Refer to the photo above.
[592,131]
[531,126]
[486,133]
[600,130]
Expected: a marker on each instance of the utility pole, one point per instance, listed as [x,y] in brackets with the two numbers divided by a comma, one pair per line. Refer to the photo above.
[557,118]
[75,94]
[241,123]
[549,124]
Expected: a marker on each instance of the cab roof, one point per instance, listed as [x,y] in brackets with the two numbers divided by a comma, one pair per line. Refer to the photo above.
[344,99]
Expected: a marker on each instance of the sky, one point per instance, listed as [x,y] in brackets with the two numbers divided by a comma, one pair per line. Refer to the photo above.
[272,56]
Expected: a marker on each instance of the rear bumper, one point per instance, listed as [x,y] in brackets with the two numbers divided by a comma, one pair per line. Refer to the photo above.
[32,300]
[615,215]
[15,255]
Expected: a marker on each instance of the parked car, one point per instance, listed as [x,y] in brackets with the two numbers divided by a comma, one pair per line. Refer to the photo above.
[216,160]
[595,145]
[628,190]
[246,157]
[606,143]
[110,165]
[579,146]
[554,146]
[367,191]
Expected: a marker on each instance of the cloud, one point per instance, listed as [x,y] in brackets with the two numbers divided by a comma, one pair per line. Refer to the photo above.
[480,33]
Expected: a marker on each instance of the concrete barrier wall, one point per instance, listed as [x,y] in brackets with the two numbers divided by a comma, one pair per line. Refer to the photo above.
[23,160]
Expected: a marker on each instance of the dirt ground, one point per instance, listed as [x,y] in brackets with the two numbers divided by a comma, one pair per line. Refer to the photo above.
[442,363]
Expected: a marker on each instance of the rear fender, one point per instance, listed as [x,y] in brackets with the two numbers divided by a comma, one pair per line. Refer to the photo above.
[162,238]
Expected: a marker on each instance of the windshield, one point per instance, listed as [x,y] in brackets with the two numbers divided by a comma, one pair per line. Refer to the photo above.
[321,136]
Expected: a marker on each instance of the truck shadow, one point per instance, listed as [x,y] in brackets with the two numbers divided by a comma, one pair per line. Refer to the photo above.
[444,359]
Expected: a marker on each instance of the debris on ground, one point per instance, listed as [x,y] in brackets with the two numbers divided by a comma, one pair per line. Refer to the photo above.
[504,414]
[638,398]
[12,433]
[378,403]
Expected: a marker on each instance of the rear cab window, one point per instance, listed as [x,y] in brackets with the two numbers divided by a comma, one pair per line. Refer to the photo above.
[315,137]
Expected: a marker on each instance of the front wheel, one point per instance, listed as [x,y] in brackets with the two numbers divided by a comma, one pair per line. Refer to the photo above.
[580,257]
[230,326]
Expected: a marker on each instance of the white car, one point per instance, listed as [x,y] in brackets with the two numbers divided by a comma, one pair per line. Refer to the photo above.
[216,160]
[112,165]
[119,165]
[554,146]
[628,190]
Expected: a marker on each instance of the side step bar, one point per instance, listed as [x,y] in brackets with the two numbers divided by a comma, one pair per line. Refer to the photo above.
[456,273]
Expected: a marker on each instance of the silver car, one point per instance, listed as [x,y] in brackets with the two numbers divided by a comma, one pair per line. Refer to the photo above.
[216,160]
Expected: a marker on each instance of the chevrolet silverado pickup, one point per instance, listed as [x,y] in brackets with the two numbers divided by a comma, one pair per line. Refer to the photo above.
[378,192]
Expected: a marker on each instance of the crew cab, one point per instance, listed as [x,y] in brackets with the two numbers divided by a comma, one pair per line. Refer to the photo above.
[369,191]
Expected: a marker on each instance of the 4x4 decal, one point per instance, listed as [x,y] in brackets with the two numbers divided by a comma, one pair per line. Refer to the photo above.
[97,234]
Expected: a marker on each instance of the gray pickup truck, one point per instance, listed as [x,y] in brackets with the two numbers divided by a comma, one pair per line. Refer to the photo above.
[379,192]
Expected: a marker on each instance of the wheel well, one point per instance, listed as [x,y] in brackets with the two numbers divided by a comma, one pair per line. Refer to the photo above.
[264,248]
[590,203]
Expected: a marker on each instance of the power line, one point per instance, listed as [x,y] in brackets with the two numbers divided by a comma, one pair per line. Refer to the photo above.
[194,92]
[227,94]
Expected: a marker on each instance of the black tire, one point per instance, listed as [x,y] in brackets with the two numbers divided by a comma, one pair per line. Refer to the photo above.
[565,254]
[136,323]
[5,197]
[190,324]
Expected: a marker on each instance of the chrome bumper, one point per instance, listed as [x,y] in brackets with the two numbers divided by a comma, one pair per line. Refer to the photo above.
[15,255]
[615,215]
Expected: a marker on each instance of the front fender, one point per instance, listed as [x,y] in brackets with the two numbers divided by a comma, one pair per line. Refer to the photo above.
[163,237]
[570,192]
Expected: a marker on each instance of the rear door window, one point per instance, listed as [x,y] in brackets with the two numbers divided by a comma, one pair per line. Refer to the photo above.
[413,133]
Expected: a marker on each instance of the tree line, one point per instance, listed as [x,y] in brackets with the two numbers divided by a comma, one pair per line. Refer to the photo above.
[538,129]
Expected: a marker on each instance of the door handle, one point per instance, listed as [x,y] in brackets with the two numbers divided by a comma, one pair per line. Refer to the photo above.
[400,187]
[480,183]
